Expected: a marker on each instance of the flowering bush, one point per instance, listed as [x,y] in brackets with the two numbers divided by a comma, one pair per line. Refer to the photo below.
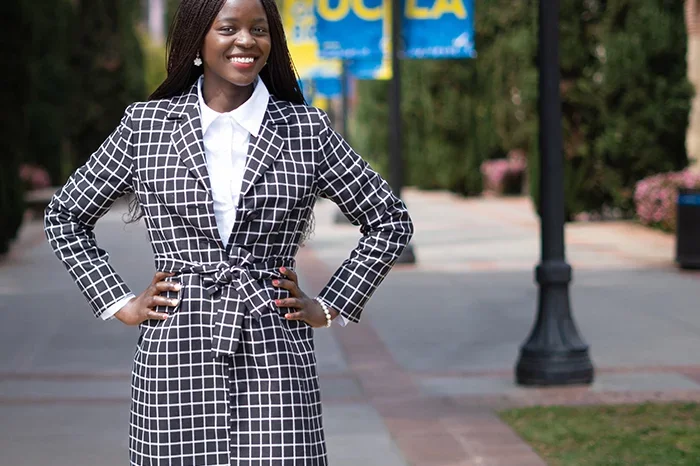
[655,197]
[504,176]
[34,176]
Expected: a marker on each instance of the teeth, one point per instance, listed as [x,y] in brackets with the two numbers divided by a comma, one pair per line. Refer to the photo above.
[243,59]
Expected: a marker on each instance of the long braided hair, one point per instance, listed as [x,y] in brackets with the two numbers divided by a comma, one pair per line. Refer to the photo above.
[192,22]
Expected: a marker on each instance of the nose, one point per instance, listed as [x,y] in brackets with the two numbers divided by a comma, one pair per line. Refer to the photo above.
[244,39]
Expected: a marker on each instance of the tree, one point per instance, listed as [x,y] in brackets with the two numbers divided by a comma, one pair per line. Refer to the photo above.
[12,128]
[625,101]
[692,21]
[107,65]
[49,85]
[458,113]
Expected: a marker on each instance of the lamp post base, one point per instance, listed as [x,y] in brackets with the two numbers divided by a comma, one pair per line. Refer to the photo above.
[554,353]
[542,368]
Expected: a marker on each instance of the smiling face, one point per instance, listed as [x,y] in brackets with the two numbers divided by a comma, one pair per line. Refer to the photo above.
[236,47]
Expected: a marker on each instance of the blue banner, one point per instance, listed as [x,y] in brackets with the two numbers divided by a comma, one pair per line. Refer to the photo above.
[439,29]
[349,28]
[370,68]
[329,87]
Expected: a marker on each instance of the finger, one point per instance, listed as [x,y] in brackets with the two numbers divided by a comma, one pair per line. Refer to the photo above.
[167,286]
[163,301]
[156,315]
[288,285]
[301,315]
[160,276]
[290,302]
[290,274]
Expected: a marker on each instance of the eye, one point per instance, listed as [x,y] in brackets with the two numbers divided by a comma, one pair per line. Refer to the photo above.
[227,29]
[259,30]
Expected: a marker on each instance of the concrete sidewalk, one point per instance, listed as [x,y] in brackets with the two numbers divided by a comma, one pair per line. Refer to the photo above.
[448,330]
[416,383]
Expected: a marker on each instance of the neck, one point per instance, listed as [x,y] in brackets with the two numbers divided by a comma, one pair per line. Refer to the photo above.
[226,97]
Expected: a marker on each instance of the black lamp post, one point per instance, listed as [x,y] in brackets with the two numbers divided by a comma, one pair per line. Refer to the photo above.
[340,218]
[554,353]
[395,154]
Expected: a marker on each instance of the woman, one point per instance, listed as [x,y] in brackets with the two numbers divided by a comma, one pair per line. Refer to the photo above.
[225,163]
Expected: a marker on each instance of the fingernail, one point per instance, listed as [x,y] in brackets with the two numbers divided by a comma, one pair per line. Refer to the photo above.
[275,282]
[177,287]
[165,317]
[283,269]
[174,302]
[278,301]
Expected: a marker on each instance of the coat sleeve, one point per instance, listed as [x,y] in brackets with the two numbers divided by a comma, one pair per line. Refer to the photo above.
[73,211]
[366,200]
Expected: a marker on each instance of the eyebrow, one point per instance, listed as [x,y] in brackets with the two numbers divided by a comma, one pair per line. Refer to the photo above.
[233,19]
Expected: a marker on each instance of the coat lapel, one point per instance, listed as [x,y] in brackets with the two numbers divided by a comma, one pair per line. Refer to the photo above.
[188,143]
[187,139]
[262,152]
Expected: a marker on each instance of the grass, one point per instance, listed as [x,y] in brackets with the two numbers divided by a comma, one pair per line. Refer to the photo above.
[629,435]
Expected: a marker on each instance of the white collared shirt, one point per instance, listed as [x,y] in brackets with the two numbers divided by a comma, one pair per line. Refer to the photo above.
[226,140]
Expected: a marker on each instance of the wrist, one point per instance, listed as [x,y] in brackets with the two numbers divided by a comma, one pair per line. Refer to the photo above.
[124,310]
[328,312]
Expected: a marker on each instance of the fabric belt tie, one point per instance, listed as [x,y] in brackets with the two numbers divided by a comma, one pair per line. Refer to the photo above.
[239,275]
[245,280]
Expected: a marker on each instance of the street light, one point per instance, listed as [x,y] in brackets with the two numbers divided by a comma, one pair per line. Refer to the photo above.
[395,155]
[340,218]
[554,353]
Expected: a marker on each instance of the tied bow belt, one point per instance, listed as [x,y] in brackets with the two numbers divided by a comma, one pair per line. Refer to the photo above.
[245,277]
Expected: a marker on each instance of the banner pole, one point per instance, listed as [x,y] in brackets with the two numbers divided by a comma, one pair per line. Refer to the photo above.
[395,134]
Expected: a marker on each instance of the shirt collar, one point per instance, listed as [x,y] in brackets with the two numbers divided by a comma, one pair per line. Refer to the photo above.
[249,115]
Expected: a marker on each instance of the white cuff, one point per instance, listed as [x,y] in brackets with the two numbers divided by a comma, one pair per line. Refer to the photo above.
[116,307]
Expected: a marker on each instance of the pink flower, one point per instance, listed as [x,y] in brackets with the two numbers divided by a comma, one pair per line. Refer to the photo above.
[655,197]
[504,175]
[34,176]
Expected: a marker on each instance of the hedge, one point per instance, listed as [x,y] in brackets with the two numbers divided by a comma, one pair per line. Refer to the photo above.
[625,101]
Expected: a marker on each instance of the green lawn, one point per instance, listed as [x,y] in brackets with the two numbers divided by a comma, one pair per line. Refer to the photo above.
[629,435]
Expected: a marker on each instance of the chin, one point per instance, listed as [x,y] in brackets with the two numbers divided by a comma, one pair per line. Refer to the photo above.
[242,80]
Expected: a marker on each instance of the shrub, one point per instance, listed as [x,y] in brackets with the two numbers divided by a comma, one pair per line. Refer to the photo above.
[108,72]
[656,197]
[12,128]
[504,176]
[457,114]
[34,176]
[625,102]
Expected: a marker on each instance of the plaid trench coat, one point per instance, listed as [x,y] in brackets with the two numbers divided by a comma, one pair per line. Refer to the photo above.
[226,380]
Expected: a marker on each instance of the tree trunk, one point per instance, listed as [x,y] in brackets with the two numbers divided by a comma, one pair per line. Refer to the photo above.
[692,21]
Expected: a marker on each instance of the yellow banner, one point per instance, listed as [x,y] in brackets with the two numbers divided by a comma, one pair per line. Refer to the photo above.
[300,26]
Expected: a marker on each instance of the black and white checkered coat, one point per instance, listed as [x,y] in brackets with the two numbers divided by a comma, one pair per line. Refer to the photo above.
[226,379]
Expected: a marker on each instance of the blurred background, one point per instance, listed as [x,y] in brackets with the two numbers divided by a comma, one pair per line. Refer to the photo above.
[427,379]
[73,66]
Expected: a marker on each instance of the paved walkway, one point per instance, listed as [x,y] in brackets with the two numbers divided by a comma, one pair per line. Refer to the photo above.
[417,383]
